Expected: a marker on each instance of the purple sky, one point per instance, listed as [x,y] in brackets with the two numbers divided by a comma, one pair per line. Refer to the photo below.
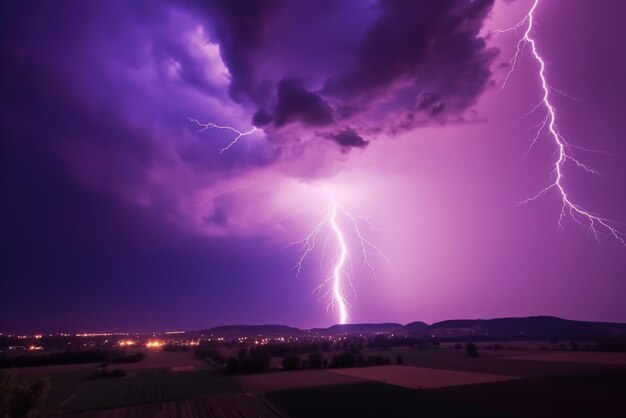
[117,214]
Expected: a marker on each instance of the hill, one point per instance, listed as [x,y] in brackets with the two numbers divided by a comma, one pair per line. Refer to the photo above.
[234,331]
[528,328]
[355,329]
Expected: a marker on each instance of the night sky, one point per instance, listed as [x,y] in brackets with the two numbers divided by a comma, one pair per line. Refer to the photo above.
[116,214]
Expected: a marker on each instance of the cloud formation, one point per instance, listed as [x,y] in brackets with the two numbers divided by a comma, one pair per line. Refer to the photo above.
[110,93]
[410,62]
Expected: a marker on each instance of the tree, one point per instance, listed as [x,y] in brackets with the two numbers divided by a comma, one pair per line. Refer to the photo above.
[258,361]
[19,398]
[291,362]
[315,360]
[232,365]
[471,349]
[343,360]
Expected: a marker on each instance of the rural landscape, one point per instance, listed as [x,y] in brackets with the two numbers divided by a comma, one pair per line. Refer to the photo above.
[312,208]
[513,367]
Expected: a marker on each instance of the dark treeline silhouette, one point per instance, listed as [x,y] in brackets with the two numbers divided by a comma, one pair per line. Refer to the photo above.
[210,351]
[176,348]
[471,349]
[126,358]
[291,362]
[351,359]
[253,360]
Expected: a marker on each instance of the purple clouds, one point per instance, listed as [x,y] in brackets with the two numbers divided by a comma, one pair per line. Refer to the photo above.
[388,67]
[391,104]
[116,82]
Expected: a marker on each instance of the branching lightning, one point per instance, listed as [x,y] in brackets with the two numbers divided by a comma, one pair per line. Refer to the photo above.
[210,125]
[582,216]
[214,196]
[339,277]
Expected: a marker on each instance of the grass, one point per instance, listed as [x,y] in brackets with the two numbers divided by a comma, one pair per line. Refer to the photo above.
[582,395]
[419,377]
[209,406]
[149,387]
[369,399]
[489,362]
[269,382]
[63,385]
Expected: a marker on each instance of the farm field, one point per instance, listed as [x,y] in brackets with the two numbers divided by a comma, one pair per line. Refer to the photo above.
[573,396]
[419,377]
[261,383]
[433,382]
[156,359]
[209,406]
[148,387]
[497,362]
[576,357]
[162,383]
[70,387]
[65,380]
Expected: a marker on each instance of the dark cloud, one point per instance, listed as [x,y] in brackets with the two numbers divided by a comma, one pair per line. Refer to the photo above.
[413,62]
[106,89]
[295,104]
[407,34]
[239,26]
[349,139]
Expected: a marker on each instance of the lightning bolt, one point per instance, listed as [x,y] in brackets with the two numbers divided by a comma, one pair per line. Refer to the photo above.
[338,269]
[577,212]
[226,191]
[210,125]
[339,276]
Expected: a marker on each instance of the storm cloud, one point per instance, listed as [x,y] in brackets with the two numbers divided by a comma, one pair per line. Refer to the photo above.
[410,62]
[111,87]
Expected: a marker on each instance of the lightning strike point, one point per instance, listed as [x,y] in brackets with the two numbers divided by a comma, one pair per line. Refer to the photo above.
[339,277]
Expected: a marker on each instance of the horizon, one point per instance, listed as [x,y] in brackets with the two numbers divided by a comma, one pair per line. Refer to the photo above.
[77,332]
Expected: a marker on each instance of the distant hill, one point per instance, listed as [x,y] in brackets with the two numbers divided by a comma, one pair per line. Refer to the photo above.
[413,328]
[528,328]
[354,329]
[234,331]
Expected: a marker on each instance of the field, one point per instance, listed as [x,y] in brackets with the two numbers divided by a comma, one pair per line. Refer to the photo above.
[572,396]
[547,384]
[209,406]
[432,382]
[164,384]
[148,387]
[576,357]
[261,383]
[419,377]
[517,363]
